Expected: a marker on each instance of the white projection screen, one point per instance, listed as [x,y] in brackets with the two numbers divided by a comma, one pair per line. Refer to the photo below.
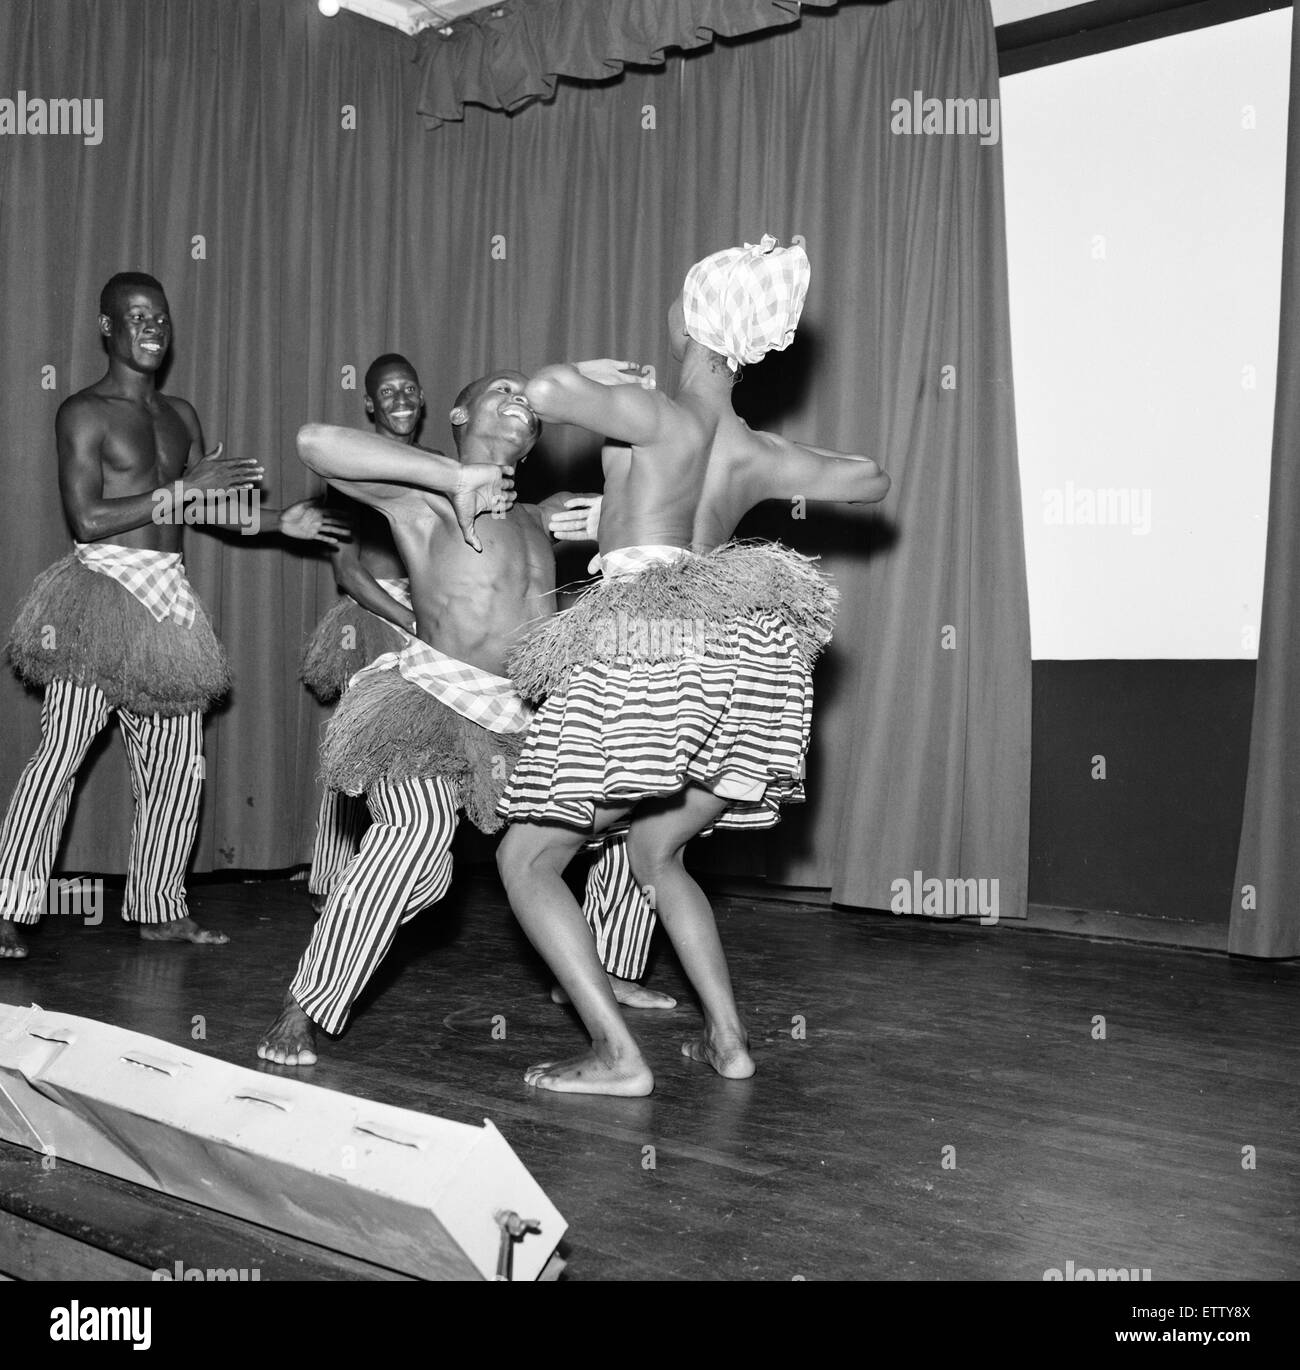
[1144,237]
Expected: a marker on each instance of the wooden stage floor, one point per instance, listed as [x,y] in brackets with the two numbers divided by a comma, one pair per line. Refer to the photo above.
[882,1043]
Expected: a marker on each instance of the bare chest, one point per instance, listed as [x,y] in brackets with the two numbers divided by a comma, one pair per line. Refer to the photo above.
[152,444]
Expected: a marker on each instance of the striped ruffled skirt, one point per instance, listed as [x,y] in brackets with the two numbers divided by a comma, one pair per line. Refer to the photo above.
[735,720]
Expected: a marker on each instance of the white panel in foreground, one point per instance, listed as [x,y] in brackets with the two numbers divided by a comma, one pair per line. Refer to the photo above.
[402,1189]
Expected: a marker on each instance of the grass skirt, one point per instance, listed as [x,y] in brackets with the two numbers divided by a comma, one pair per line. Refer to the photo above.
[386,728]
[738,717]
[79,625]
[346,639]
[679,610]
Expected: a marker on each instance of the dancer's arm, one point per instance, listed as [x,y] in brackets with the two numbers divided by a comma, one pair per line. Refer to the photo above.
[628,412]
[80,431]
[400,481]
[793,470]
[571,518]
[353,579]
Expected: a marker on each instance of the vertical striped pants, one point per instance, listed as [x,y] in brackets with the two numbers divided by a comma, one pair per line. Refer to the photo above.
[166,761]
[618,911]
[339,827]
[403,865]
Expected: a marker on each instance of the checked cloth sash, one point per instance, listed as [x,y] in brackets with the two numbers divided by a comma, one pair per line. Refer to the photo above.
[627,561]
[399,589]
[489,700]
[156,579]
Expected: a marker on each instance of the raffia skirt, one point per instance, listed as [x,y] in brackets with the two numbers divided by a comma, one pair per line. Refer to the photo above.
[387,729]
[698,671]
[80,625]
[348,638]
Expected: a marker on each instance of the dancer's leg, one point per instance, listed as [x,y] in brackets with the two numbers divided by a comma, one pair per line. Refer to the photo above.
[660,831]
[71,719]
[532,858]
[339,828]
[404,865]
[623,920]
[166,763]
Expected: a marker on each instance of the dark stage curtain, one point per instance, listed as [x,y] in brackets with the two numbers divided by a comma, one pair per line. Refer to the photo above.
[224,169]
[562,231]
[1266,896]
[512,54]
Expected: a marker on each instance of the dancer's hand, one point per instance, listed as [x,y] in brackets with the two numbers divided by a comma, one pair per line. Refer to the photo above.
[215,472]
[310,520]
[578,521]
[609,372]
[482,489]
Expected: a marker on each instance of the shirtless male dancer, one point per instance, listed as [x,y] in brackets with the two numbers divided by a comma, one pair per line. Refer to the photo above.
[371,616]
[434,728]
[116,626]
[677,691]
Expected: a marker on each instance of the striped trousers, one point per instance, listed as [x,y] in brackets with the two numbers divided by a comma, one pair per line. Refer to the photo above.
[618,911]
[402,866]
[339,827]
[165,756]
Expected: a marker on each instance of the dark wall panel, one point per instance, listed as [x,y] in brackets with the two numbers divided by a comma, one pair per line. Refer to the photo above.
[1158,835]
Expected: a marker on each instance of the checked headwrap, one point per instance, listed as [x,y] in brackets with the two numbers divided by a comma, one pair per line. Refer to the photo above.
[745,302]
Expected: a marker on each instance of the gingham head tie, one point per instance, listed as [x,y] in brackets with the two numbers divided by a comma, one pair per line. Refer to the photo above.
[745,302]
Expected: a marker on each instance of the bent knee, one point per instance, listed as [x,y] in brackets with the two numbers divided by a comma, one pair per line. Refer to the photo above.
[527,852]
[650,859]
[510,858]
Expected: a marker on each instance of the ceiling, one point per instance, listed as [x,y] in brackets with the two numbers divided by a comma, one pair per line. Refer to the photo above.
[410,16]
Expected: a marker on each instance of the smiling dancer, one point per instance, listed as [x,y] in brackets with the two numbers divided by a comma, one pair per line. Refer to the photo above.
[678,690]
[436,727]
[373,614]
[115,627]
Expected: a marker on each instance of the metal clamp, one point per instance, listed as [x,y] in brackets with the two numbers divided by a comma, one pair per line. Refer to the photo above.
[513,1229]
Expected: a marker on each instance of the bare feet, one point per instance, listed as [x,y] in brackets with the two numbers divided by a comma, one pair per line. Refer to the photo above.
[291,1039]
[627,992]
[630,1078]
[727,1053]
[181,930]
[12,946]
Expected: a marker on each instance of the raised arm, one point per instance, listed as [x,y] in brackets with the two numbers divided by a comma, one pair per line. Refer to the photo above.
[794,470]
[352,460]
[627,412]
[400,481]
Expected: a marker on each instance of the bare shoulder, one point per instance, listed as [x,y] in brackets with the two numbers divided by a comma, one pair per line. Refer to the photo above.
[744,443]
[680,422]
[184,411]
[80,414]
[183,407]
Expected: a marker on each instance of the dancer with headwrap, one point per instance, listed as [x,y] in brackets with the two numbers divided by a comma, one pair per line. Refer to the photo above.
[677,691]
[115,627]
[617,908]
[372,615]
